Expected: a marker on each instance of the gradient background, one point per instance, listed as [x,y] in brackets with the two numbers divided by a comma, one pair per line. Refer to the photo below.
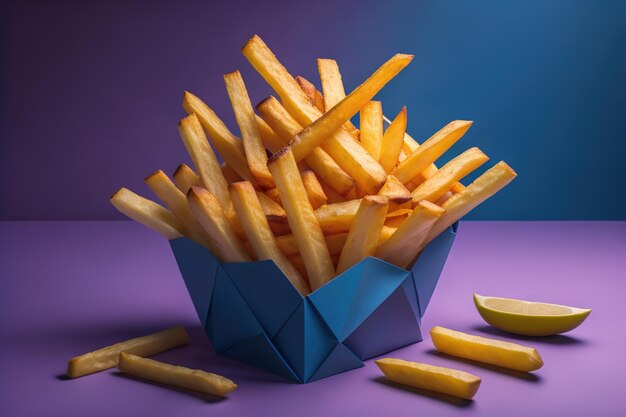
[91,91]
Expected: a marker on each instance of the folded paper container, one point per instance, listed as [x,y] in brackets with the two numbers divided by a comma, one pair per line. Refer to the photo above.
[252,313]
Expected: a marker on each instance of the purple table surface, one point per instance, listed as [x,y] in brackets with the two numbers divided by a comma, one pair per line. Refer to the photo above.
[70,287]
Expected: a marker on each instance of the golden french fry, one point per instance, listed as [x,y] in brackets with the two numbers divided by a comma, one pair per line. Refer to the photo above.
[430,150]
[395,221]
[332,195]
[315,98]
[364,234]
[147,212]
[206,162]
[392,142]
[259,234]
[337,217]
[185,177]
[483,187]
[287,243]
[274,212]
[177,376]
[211,216]
[228,145]
[341,146]
[272,140]
[229,173]
[301,217]
[371,124]
[444,198]
[314,190]
[252,142]
[436,186]
[386,233]
[395,190]
[332,88]
[404,245]
[280,229]
[279,119]
[273,194]
[398,213]
[107,357]
[176,201]
[431,378]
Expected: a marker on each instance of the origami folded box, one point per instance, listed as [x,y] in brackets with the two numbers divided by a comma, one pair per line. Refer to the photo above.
[252,313]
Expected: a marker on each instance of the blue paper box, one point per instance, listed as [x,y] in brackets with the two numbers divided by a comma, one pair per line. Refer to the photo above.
[252,313]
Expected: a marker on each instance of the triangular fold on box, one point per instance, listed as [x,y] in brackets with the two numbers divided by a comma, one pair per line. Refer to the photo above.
[230,320]
[391,326]
[198,267]
[269,294]
[304,341]
[340,359]
[378,281]
[429,265]
[408,286]
[342,288]
[259,351]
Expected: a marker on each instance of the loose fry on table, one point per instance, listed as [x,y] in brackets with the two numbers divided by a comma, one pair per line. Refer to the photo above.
[314,190]
[365,231]
[431,150]
[395,190]
[210,215]
[436,186]
[279,119]
[176,201]
[315,98]
[148,213]
[404,245]
[392,142]
[274,212]
[206,162]
[371,124]
[486,350]
[252,143]
[185,177]
[107,357]
[259,234]
[332,89]
[228,145]
[177,376]
[483,187]
[431,378]
[337,217]
[301,217]
[341,146]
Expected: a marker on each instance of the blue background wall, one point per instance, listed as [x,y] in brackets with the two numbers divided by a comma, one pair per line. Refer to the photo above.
[91,91]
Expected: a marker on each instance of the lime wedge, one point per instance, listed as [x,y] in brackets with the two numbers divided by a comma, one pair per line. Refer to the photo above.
[529,318]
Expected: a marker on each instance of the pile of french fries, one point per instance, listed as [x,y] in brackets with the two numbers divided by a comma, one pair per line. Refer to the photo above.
[329,193]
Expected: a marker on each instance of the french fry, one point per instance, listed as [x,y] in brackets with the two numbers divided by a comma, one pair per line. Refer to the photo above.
[273,194]
[365,231]
[279,119]
[430,150]
[398,213]
[228,145]
[210,215]
[274,212]
[229,173]
[287,243]
[296,260]
[395,190]
[280,229]
[315,98]
[176,201]
[332,195]
[404,245]
[371,124]
[314,190]
[259,234]
[177,376]
[206,162]
[337,217]
[444,198]
[252,142]
[332,89]
[272,140]
[147,212]
[107,357]
[436,186]
[392,142]
[185,177]
[301,217]
[341,146]
[483,187]
[386,233]
[395,221]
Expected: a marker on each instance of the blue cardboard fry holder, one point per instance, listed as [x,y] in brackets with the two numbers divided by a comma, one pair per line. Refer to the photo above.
[252,313]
